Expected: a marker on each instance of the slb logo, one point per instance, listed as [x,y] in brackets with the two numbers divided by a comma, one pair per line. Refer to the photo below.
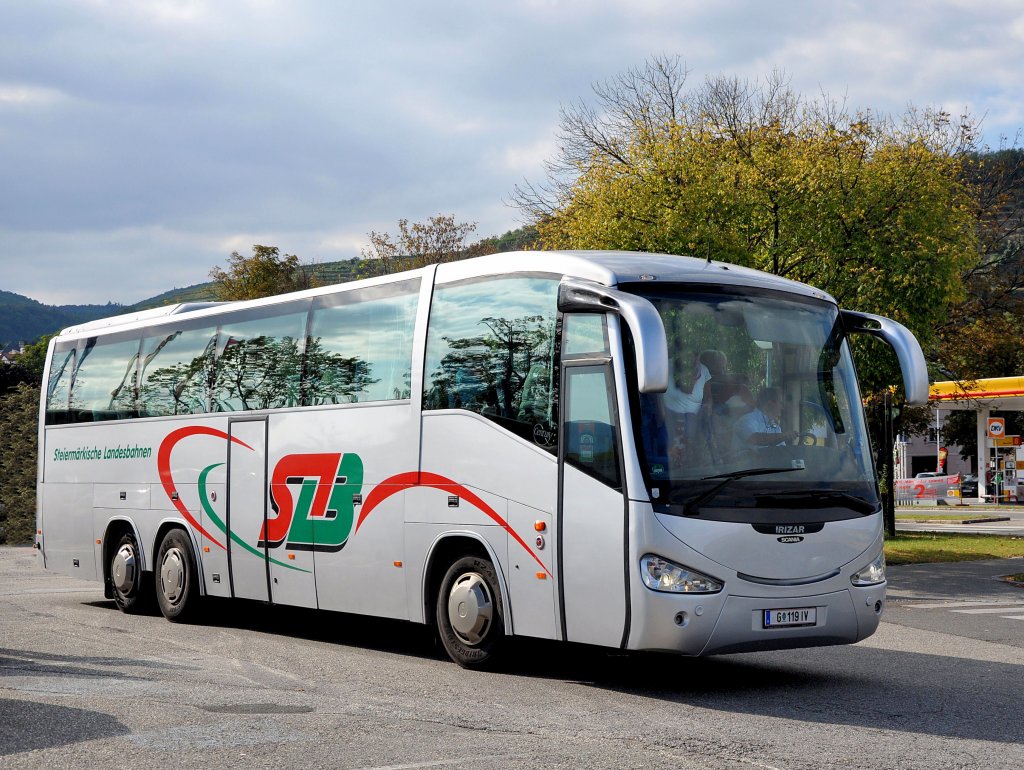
[312,495]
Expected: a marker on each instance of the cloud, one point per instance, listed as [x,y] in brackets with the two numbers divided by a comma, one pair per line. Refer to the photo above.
[142,142]
[24,95]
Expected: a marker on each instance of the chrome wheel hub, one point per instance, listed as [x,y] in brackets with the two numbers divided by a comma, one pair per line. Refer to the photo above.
[172,575]
[124,569]
[470,608]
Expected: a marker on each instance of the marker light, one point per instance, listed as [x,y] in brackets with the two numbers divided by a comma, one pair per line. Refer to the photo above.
[662,575]
[871,575]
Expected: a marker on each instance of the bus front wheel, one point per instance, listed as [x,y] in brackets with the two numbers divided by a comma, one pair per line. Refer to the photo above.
[129,584]
[470,617]
[176,591]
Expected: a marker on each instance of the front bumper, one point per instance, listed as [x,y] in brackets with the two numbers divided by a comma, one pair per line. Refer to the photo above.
[692,624]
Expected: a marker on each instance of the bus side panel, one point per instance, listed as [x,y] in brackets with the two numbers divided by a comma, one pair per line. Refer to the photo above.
[196,449]
[475,454]
[423,538]
[531,572]
[359,454]
[67,524]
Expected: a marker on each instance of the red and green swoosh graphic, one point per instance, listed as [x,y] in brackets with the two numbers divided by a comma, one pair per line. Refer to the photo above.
[327,482]
[404,481]
[163,462]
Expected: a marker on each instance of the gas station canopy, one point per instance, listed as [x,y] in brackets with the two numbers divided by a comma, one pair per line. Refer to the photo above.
[995,394]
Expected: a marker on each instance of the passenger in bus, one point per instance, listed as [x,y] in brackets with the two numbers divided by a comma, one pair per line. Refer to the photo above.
[725,397]
[761,427]
[682,403]
[692,376]
[721,385]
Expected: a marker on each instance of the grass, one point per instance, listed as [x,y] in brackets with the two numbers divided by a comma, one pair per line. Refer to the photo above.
[942,516]
[927,547]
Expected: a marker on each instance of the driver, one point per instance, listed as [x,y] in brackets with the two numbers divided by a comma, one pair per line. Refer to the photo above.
[760,426]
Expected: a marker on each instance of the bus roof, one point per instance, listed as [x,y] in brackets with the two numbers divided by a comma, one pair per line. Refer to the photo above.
[613,268]
[610,268]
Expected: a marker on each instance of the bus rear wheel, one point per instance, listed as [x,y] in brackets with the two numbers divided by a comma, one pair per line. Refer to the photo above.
[470,617]
[129,585]
[176,591]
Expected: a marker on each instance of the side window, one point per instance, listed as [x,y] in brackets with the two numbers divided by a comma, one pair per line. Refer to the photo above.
[491,349]
[58,389]
[105,381]
[176,372]
[585,333]
[259,360]
[360,345]
[591,430]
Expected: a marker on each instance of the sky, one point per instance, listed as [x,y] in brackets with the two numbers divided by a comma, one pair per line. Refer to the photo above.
[143,141]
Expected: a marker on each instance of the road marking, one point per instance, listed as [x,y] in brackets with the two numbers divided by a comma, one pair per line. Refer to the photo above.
[441,763]
[1014,617]
[988,610]
[950,605]
[23,592]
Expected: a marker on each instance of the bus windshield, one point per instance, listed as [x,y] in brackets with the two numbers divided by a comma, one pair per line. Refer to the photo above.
[762,413]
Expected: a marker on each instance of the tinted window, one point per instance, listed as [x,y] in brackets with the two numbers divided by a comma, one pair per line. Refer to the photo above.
[359,348]
[591,431]
[103,387]
[259,360]
[360,345]
[584,333]
[177,372]
[58,389]
[491,350]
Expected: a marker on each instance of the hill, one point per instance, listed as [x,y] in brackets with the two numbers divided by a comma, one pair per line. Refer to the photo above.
[25,320]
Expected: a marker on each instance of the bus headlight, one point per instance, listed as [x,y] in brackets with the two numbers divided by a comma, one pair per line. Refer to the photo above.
[873,574]
[663,575]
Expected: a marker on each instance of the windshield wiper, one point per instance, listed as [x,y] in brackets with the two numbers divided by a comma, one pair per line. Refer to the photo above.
[822,498]
[692,507]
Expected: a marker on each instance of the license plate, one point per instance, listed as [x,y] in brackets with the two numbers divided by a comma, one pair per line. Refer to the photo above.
[795,616]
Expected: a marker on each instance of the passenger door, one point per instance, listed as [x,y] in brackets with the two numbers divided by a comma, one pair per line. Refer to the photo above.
[247,508]
[592,507]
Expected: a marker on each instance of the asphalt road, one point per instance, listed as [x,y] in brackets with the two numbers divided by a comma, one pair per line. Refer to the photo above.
[1012,525]
[82,685]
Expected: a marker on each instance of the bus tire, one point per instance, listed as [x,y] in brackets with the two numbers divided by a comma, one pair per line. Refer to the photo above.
[470,616]
[129,585]
[176,576]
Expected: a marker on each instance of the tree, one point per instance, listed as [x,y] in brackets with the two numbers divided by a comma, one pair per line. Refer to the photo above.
[266,273]
[14,374]
[875,211]
[981,339]
[19,416]
[439,239]
[33,357]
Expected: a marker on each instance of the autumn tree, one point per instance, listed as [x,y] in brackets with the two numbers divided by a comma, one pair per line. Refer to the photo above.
[872,209]
[267,272]
[439,239]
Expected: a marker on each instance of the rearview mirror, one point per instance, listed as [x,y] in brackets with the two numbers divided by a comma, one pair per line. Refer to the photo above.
[579,296]
[903,342]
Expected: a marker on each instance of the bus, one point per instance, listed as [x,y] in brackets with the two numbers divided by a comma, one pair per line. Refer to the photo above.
[635,451]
